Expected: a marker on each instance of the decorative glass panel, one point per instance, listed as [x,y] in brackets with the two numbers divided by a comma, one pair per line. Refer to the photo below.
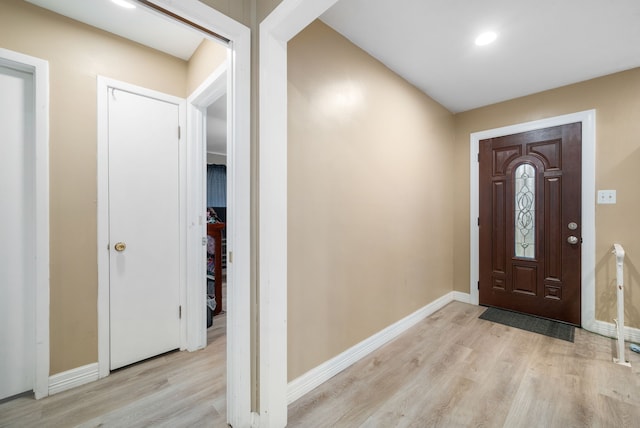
[525,204]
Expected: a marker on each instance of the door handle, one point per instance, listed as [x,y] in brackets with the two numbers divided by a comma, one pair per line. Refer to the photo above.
[572,240]
[120,246]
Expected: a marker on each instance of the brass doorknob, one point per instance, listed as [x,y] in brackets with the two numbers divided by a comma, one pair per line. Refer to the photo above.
[120,246]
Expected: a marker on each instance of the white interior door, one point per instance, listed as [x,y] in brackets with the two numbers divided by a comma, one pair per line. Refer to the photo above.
[143,216]
[17,236]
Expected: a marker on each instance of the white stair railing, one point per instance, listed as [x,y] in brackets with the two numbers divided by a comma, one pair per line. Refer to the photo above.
[619,252]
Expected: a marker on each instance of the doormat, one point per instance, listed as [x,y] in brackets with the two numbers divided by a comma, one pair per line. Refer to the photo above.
[549,328]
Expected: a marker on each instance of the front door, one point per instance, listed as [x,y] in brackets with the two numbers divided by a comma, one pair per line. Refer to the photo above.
[530,222]
[144,234]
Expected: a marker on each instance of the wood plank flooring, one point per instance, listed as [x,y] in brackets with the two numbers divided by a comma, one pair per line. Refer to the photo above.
[451,370]
[178,389]
[455,370]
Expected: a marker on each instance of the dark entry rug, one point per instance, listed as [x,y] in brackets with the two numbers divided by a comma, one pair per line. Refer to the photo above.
[549,328]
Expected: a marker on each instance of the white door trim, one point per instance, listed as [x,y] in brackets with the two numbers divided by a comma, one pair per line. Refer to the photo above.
[287,20]
[239,267]
[103,83]
[588,119]
[39,68]
[214,87]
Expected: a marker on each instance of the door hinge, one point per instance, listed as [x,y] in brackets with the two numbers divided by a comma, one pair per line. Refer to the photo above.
[180,312]
[478,285]
[478,156]
[478,221]
[179,132]
[204,241]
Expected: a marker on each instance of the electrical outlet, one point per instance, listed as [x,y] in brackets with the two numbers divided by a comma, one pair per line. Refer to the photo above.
[606,196]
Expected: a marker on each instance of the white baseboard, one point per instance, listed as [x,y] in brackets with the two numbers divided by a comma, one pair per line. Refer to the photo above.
[325,371]
[609,329]
[459,296]
[73,378]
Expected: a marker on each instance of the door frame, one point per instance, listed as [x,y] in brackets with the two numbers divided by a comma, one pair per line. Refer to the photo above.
[239,367]
[287,19]
[588,120]
[214,87]
[39,68]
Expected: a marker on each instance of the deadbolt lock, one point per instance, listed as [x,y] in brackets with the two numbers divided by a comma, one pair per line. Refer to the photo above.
[120,246]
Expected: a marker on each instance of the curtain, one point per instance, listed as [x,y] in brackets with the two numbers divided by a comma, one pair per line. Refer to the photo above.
[216,185]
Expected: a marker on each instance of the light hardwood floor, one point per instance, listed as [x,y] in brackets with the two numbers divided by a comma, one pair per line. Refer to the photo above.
[178,389]
[451,370]
[455,370]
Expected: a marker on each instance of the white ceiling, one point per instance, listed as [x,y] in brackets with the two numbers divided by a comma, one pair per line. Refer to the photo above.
[150,29]
[139,24]
[542,44]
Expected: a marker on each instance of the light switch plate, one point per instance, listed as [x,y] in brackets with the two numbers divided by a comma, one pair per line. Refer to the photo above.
[606,196]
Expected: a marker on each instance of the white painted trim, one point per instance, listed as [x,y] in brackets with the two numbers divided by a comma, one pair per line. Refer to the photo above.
[608,329]
[214,87]
[459,296]
[196,265]
[239,266]
[40,70]
[588,119]
[102,208]
[272,269]
[73,378]
[289,18]
[103,83]
[325,371]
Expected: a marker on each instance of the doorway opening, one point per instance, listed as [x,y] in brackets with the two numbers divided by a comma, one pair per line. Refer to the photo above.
[209,127]
[235,84]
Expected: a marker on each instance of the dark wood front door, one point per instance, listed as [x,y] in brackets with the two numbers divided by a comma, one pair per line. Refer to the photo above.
[530,222]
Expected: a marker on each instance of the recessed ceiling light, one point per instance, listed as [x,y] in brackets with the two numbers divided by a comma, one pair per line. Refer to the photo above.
[124,3]
[486,38]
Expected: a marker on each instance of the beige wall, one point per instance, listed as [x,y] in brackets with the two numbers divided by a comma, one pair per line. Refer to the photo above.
[616,99]
[77,54]
[205,60]
[370,198]
[242,11]
[265,7]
